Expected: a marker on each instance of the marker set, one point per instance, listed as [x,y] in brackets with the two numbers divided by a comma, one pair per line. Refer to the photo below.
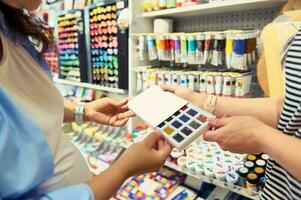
[233,49]
[179,121]
[71,46]
[104,45]
[217,83]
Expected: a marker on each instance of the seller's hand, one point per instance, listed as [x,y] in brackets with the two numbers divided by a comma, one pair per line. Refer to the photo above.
[195,98]
[108,111]
[240,134]
[145,156]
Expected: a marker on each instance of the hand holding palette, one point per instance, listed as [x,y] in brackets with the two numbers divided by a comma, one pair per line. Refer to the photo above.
[179,121]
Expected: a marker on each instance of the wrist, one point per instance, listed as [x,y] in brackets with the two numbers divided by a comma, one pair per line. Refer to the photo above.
[264,138]
[121,169]
[198,99]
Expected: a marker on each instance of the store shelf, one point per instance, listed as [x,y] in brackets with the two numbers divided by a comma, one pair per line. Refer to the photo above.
[233,188]
[215,8]
[91,86]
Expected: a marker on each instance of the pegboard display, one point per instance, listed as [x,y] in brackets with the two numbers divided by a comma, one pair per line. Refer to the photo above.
[107,57]
[253,19]
[245,20]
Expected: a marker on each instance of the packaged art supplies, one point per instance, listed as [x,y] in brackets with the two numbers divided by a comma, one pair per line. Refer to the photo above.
[184,51]
[229,49]
[251,184]
[142,47]
[239,55]
[207,49]
[180,122]
[218,49]
[148,186]
[192,46]
[177,48]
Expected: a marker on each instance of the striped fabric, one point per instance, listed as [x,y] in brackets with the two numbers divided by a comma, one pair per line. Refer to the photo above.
[281,184]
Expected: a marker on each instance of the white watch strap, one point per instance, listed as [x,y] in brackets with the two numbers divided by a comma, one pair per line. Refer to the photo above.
[210,104]
[79,112]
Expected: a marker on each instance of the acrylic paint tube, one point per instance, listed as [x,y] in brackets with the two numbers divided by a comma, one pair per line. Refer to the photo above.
[168,78]
[139,81]
[202,83]
[229,49]
[192,45]
[151,46]
[207,50]
[177,49]
[249,49]
[172,48]
[238,56]
[218,48]
[183,80]
[191,83]
[210,84]
[184,53]
[218,84]
[142,47]
[200,39]
[175,79]
[227,85]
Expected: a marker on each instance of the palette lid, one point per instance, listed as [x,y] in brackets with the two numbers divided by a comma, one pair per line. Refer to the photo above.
[155,105]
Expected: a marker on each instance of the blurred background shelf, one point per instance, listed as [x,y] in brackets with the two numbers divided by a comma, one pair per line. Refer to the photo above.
[215,8]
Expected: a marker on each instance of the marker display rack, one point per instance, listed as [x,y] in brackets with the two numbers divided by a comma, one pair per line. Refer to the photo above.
[107,45]
[72,46]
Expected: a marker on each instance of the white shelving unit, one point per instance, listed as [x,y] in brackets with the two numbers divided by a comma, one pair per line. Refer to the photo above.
[223,184]
[234,14]
[91,86]
[215,8]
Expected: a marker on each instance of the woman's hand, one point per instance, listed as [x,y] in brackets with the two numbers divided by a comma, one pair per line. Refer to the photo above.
[240,134]
[195,98]
[108,111]
[145,156]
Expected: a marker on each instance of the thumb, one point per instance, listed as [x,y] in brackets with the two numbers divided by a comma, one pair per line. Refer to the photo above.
[118,103]
[152,139]
[168,88]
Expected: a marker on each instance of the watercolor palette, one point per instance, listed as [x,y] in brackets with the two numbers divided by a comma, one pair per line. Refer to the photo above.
[179,121]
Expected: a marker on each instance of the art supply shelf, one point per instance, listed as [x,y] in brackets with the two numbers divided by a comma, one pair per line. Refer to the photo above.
[233,188]
[215,8]
[91,86]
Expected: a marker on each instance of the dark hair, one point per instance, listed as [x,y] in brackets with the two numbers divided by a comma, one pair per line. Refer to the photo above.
[27,24]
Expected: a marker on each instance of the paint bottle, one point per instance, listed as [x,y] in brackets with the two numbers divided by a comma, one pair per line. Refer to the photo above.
[232,177]
[260,163]
[251,184]
[259,171]
[220,174]
[199,169]
[265,157]
[250,165]
[242,173]
[261,183]
[180,3]
[171,3]
[162,4]
[209,171]
[175,154]
[251,157]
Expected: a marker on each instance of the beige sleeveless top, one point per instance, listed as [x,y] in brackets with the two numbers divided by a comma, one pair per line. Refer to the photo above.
[26,82]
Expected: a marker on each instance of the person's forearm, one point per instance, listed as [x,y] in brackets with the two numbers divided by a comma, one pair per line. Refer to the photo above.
[284,149]
[265,109]
[69,109]
[108,182]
